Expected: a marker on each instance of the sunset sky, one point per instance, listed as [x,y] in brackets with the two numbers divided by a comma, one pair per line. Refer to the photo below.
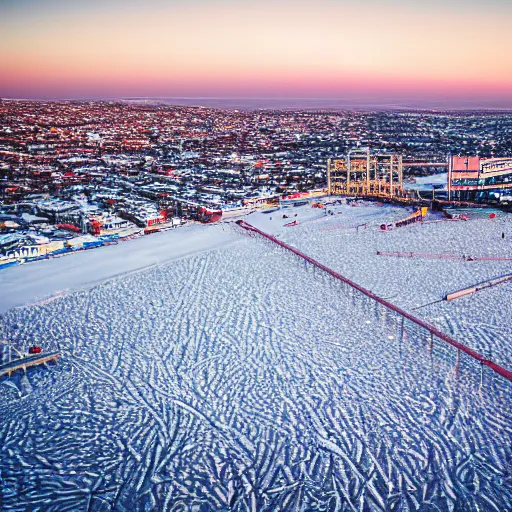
[375,50]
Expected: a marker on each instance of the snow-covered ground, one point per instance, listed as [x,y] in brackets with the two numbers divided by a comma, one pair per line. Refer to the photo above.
[426,182]
[239,378]
[40,280]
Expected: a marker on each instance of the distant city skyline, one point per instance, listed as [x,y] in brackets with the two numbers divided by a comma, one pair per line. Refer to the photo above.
[369,53]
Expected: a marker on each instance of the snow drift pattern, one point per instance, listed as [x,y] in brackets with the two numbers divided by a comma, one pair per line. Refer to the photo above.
[241,380]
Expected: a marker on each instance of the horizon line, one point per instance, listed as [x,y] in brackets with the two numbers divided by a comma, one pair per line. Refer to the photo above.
[364,104]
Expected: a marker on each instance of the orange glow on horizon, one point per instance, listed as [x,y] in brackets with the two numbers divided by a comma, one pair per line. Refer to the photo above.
[275,49]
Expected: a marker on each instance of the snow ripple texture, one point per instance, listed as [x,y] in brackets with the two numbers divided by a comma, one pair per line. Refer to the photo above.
[481,320]
[243,379]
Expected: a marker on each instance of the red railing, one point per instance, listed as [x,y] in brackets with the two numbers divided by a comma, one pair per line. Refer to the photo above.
[404,314]
[409,254]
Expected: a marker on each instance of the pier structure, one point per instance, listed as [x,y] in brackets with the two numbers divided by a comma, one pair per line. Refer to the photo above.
[24,361]
[433,332]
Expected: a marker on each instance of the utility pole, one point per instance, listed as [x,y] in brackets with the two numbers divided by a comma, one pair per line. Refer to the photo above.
[368,170]
[391,162]
[450,164]
[329,188]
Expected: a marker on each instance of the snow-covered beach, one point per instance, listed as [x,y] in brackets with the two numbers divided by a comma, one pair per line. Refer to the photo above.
[42,280]
[218,372]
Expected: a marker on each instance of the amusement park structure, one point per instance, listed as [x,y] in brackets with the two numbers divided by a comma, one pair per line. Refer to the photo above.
[362,173]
